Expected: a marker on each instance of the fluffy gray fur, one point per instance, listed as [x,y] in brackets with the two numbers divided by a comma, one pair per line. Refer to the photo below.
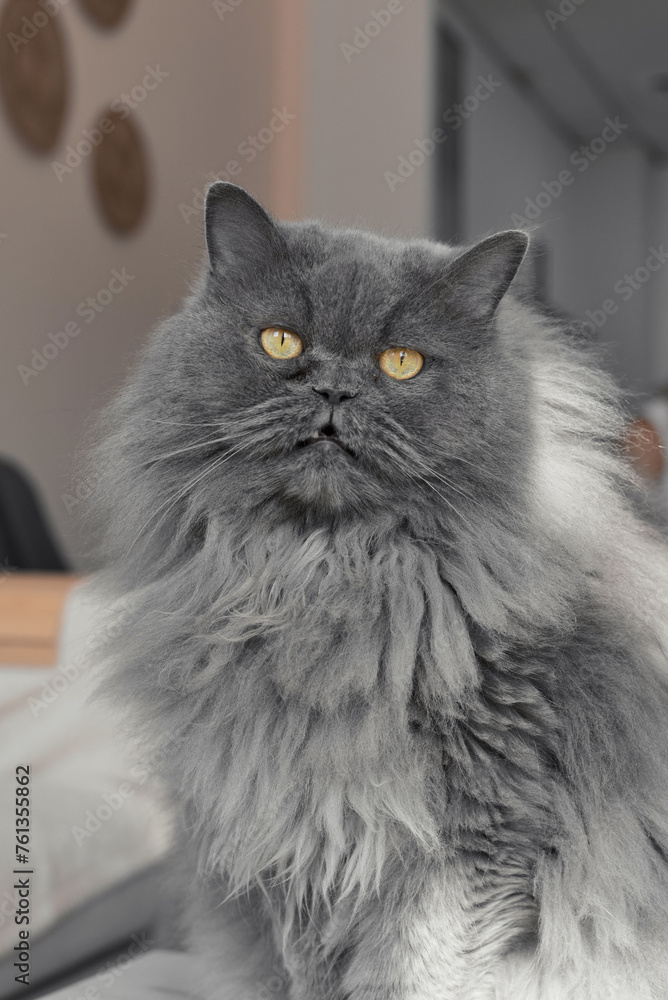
[410,697]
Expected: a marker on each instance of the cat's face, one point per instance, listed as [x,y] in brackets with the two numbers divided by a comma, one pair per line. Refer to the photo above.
[338,374]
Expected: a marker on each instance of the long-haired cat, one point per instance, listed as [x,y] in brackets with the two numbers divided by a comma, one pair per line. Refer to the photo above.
[397,635]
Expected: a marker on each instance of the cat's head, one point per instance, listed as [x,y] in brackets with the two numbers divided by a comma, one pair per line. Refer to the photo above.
[326,375]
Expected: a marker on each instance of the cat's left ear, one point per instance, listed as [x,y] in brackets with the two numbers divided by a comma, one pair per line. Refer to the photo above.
[242,239]
[478,279]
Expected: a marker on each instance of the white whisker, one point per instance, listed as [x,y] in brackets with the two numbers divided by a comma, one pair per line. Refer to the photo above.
[451,486]
[178,423]
[417,476]
[182,492]
[190,447]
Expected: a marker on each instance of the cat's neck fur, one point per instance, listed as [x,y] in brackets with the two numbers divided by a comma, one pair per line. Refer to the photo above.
[313,658]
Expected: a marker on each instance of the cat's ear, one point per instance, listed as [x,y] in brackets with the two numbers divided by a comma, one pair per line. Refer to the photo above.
[241,238]
[481,276]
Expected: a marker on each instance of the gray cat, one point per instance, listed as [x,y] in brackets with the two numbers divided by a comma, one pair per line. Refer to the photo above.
[399,638]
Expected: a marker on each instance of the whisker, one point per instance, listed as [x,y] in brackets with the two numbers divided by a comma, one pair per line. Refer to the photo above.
[178,423]
[252,420]
[483,470]
[182,492]
[410,452]
[411,456]
[224,419]
[446,482]
[401,433]
[420,478]
[233,429]
[190,447]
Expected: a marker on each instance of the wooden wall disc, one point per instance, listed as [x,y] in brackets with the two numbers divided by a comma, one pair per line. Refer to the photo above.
[106,13]
[33,73]
[120,173]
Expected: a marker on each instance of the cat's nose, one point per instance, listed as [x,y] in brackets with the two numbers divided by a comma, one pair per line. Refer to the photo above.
[334,396]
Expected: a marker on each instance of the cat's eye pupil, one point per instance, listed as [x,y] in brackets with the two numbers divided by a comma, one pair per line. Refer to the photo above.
[401,362]
[280,343]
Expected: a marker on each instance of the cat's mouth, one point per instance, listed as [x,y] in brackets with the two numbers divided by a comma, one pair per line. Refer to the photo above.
[326,437]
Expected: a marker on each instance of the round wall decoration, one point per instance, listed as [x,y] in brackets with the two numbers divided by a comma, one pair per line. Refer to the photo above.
[120,172]
[106,13]
[33,73]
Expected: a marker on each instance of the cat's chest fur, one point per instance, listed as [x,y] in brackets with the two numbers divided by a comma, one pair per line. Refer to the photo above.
[355,727]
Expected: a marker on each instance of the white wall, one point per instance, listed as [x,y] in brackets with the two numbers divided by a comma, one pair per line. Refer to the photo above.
[366,108]
[56,251]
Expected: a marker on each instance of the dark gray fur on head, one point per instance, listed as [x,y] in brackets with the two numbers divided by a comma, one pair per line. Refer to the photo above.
[409,692]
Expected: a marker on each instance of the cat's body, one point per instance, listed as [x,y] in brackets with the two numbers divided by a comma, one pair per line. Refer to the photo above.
[408,684]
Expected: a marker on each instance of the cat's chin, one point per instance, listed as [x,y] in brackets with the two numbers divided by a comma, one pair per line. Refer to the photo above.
[327,481]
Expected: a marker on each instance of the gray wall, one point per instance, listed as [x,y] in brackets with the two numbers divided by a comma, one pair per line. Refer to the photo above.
[599,228]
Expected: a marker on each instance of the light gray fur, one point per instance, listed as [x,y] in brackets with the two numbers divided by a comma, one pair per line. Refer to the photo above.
[412,705]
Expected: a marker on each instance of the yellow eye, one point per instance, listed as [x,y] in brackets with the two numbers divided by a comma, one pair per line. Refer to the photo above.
[401,362]
[280,343]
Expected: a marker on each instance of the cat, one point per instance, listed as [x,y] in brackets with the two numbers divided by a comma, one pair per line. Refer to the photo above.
[398,634]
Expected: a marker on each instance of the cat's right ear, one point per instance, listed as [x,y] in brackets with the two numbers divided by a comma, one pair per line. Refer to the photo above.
[241,238]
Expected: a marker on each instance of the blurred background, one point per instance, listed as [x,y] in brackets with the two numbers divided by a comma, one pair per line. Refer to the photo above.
[449,119]
[319,109]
